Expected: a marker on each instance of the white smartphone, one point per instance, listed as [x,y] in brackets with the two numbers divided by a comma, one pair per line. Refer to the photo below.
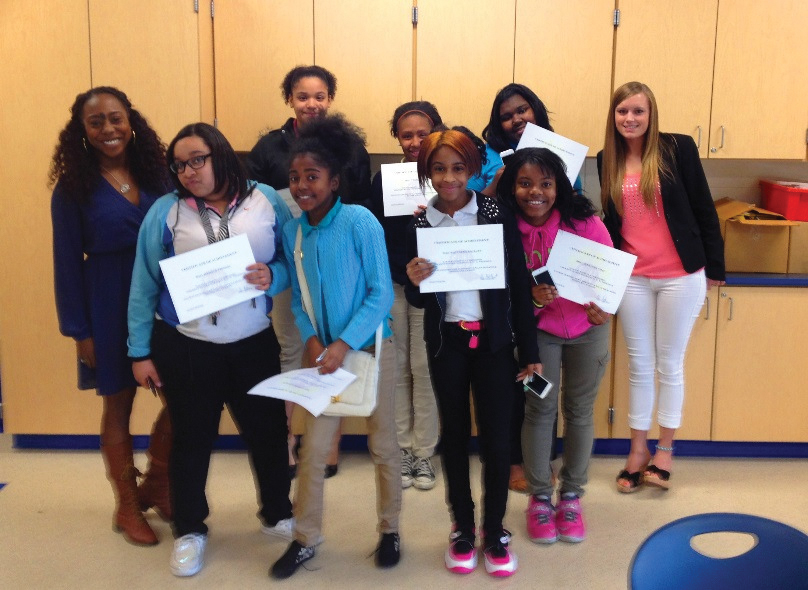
[538,386]
[541,276]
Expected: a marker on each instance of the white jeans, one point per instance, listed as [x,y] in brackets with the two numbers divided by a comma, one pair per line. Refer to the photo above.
[657,317]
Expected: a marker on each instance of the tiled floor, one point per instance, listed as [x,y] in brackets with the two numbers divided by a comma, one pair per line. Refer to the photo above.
[56,509]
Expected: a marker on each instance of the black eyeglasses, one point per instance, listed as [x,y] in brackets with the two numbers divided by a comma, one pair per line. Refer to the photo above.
[178,167]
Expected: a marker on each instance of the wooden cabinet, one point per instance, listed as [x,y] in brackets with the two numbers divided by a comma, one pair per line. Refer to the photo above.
[699,359]
[563,52]
[729,73]
[760,368]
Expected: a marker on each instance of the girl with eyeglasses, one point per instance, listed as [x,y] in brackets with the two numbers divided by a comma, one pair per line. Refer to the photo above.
[203,364]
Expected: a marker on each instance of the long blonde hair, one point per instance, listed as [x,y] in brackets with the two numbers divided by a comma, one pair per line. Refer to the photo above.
[655,153]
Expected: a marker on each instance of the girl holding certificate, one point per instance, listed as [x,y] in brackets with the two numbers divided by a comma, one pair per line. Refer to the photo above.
[203,364]
[536,187]
[416,409]
[341,251]
[657,205]
[470,340]
[109,168]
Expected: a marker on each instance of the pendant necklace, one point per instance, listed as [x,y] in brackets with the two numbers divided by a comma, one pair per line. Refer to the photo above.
[124,185]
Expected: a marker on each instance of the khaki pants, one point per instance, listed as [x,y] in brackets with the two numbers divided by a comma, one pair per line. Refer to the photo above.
[384,451]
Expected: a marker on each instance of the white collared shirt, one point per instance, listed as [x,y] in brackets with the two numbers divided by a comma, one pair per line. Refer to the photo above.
[460,305]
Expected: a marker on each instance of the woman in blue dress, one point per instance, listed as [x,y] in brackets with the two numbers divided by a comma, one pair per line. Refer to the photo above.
[108,168]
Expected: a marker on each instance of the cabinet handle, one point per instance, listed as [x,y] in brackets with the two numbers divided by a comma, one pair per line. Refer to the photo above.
[698,141]
[707,311]
[722,137]
[730,308]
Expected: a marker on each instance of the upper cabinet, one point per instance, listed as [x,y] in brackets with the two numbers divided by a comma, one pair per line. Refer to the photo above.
[669,46]
[564,54]
[368,45]
[255,43]
[730,73]
[464,56]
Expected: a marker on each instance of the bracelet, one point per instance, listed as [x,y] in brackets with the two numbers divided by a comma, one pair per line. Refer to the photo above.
[536,304]
[661,448]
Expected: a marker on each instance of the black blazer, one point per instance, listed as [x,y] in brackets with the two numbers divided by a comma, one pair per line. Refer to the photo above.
[689,210]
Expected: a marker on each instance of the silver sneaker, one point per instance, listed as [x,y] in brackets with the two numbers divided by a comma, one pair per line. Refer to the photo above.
[406,468]
[188,556]
[423,473]
[284,529]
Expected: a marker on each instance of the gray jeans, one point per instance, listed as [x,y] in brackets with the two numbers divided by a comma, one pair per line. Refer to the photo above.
[584,361]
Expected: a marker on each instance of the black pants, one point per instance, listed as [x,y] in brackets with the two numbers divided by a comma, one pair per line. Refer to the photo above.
[198,379]
[491,376]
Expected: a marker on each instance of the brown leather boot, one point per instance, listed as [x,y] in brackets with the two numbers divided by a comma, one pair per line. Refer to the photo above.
[123,475]
[154,490]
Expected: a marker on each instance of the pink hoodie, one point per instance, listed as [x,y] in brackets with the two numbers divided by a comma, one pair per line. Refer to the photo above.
[562,317]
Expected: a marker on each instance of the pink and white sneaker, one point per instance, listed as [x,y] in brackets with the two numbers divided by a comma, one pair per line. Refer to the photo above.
[541,520]
[499,560]
[569,519]
[460,556]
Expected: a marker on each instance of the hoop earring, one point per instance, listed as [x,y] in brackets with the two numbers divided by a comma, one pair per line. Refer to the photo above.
[84,143]
[134,137]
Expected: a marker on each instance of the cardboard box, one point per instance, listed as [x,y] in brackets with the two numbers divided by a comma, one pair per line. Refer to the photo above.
[755,240]
[798,249]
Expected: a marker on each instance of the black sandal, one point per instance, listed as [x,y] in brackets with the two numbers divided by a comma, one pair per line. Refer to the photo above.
[654,476]
[634,480]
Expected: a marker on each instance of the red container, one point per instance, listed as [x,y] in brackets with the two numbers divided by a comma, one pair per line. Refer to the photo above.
[789,199]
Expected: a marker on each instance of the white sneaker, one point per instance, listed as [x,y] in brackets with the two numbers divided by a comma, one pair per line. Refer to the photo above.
[188,556]
[423,473]
[284,529]
[406,468]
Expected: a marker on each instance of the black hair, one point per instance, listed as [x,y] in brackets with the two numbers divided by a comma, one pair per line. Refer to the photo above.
[478,143]
[228,171]
[420,107]
[331,140]
[493,132]
[299,72]
[570,204]
[75,165]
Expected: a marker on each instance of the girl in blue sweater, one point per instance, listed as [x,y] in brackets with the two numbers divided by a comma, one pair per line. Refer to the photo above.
[344,259]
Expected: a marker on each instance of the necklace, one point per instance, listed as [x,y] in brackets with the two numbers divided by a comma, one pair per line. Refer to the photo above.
[125,186]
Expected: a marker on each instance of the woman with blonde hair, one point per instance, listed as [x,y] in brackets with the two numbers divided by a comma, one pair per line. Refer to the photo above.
[657,206]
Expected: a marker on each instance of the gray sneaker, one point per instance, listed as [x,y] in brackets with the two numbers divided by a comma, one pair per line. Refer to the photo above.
[406,468]
[423,473]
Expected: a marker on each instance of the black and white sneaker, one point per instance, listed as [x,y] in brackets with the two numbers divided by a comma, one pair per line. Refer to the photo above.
[288,563]
[406,468]
[423,474]
[388,553]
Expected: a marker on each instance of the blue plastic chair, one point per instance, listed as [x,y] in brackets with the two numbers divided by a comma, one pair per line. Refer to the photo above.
[666,560]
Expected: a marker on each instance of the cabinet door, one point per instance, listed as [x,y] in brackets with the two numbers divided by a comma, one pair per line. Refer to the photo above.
[760,374]
[44,66]
[464,55]
[564,54]
[155,62]
[256,43]
[760,89]
[669,46]
[699,358]
[374,66]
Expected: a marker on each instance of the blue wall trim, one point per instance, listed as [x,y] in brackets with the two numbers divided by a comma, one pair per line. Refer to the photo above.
[356,442]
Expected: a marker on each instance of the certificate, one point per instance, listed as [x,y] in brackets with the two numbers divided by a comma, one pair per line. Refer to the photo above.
[400,189]
[306,387]
[571,152]
[466,258]
[209,279]
[584,270]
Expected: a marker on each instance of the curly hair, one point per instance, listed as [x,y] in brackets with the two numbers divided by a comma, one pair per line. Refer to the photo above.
[571,205]
[298,73]
[331,141]
[76,168]
[493,132]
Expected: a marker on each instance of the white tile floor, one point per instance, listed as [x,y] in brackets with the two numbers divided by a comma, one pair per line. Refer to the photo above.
[55,526]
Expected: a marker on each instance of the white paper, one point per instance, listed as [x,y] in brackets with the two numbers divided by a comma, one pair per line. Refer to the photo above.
[467,258]
[572,153]
[306,387]
[401,192]
[209,279]
[587,271]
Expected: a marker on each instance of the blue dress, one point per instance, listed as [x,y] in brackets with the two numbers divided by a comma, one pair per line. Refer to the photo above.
[92,291]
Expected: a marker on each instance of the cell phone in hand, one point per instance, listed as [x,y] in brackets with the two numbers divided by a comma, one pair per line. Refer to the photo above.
[538,386]
[505,155]
[541,276]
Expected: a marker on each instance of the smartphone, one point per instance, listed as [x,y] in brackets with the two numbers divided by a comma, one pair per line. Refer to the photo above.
[505,155]
[541,276]
[538,386]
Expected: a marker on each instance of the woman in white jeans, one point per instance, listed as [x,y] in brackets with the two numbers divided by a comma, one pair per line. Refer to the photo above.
[657,206]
